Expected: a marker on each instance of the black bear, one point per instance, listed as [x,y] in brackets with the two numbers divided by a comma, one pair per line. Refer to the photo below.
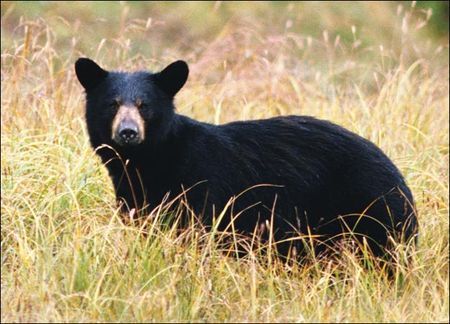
[297,174]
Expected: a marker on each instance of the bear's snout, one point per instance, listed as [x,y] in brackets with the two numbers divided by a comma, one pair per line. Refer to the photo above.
[128,127]
[128,133]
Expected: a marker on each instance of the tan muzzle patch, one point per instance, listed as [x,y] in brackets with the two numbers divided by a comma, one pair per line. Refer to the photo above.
[127,113]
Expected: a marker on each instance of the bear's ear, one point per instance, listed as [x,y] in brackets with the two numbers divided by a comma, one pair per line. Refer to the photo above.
[172,78]
[89,73]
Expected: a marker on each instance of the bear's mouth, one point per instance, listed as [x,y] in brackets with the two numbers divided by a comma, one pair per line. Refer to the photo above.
[128,142]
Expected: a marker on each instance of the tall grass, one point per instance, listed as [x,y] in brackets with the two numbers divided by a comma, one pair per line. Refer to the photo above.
[65,254]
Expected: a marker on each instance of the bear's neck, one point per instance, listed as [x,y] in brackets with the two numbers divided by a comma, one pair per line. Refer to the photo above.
[160,153]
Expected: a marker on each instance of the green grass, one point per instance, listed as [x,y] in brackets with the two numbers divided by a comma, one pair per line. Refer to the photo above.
[65,255]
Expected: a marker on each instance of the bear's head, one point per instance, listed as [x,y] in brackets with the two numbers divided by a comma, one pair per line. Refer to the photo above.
[127,109]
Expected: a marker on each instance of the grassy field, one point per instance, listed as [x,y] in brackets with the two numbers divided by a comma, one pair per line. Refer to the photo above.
[378,69]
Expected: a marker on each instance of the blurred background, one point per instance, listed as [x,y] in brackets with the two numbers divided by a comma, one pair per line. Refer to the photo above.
[157,28]
[255,48]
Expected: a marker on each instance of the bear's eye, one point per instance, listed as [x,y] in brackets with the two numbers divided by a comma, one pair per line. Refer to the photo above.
[115,103]
[139,103]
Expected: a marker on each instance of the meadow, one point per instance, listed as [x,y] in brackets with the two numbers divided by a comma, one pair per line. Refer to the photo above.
[380,69]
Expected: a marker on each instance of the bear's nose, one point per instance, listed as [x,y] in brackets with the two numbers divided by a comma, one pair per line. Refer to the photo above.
[128,131]
[128,134]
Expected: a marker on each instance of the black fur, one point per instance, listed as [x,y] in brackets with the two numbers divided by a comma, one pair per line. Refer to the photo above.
[322,175]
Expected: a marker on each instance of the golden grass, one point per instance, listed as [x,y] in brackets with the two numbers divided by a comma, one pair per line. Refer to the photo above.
[67,257]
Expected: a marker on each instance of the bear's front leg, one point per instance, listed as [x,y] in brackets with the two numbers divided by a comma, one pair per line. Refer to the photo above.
[130,193]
